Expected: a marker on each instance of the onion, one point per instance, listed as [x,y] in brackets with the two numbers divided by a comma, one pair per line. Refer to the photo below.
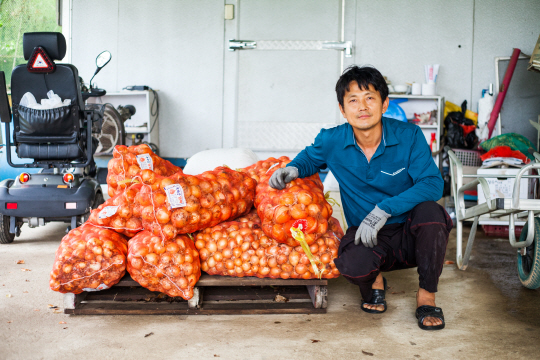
[281,259]
[218,256]
[285,275]
[220,267]
[294,258]
[325,258]
[221,243]
[300,269]
[272,262]
[281,214]
[163,215]
[151,258]
[298,211]
[199,243]
[227,253]
[211,246]
[275,272]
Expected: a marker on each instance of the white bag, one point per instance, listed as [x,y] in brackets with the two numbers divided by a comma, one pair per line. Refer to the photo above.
[210,159]
[53,101]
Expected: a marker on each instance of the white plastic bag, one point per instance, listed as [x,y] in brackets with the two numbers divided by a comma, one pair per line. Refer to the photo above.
[485,105]
[28,100]
[210,159]
[53,101]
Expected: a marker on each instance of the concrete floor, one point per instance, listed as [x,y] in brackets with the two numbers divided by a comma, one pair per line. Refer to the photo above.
[488,314]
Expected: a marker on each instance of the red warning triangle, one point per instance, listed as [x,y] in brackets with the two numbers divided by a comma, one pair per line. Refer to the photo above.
[40,62]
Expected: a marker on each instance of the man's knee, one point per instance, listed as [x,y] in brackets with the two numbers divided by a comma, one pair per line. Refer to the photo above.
[429,212]
[358,262]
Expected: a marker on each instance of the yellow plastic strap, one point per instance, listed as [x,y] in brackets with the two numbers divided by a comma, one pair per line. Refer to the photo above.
[333,202]
[298,235]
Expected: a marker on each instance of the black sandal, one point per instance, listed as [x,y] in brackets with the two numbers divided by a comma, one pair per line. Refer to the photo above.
[425,311]
[377,298]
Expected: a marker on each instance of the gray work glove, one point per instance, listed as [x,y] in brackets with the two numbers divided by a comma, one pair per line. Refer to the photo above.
[282,176]
[368,229]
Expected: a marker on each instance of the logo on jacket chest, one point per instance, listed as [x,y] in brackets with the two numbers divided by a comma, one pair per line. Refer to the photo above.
[394,173]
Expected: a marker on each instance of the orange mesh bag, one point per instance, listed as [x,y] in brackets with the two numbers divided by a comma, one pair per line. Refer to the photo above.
[128,162]
[333,225]
[240,248]
[182,204]
[168,266]
[301,205]
[89,258]
[250,216]
[119,213]
[260,168]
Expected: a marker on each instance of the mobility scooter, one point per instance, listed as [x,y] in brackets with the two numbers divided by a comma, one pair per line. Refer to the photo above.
[58,140]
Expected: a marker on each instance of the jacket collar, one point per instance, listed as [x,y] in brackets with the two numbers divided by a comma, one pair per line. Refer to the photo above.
[388,136]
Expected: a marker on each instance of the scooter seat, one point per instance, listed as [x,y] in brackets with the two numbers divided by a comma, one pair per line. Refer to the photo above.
[50,151]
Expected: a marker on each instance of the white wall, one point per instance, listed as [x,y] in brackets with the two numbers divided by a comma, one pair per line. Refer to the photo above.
[177,46]
[500,26]
[174,46]
[463,36]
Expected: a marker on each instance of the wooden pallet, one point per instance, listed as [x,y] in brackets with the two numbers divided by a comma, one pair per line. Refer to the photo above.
[219,295]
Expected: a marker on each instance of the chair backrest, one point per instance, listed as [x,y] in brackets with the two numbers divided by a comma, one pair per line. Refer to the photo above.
[55,126]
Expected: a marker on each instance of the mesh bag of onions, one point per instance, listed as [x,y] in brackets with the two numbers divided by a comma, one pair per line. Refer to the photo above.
[128,162]
[181,204]
[260,168]
[300,205]
[119,213]
[168,266]
[89,258]
[240,248]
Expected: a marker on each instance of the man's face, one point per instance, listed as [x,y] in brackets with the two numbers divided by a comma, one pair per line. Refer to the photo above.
[363,109]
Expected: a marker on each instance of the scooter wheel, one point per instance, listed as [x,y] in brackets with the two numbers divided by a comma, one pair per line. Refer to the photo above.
[5,236]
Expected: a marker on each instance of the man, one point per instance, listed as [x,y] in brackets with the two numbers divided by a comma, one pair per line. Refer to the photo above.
[389,184]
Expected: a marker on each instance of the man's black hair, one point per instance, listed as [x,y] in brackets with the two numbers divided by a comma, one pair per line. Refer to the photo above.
[364,76]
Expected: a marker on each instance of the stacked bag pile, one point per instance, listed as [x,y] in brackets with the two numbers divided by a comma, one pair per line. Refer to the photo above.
[164,226]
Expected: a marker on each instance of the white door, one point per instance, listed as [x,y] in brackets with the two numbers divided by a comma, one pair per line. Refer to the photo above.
[282,61]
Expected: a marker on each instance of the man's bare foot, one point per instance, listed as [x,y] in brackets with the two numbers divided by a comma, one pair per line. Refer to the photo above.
[377,285]
[424,297]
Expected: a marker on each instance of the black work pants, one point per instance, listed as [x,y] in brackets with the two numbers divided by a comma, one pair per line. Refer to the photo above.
[418,242]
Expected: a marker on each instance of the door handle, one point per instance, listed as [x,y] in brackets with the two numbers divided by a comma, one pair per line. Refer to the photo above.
[346,46]
[242,45]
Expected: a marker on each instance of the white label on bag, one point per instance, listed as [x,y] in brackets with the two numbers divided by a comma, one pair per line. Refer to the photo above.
[175,195]
[99,288]
[107,212]
[145,162]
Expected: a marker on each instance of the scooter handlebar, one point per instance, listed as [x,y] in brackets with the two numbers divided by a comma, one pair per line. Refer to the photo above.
[95,92]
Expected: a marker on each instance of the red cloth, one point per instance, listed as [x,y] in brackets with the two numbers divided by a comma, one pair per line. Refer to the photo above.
[467,129]
[505,151]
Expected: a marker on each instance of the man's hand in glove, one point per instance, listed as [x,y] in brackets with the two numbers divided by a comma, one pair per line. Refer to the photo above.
[368,229]
[282,176]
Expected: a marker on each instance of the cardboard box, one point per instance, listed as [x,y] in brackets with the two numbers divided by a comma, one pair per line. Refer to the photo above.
[500,188]
[503,188]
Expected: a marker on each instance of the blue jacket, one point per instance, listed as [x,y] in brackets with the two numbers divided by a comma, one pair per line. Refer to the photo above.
[400,175]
